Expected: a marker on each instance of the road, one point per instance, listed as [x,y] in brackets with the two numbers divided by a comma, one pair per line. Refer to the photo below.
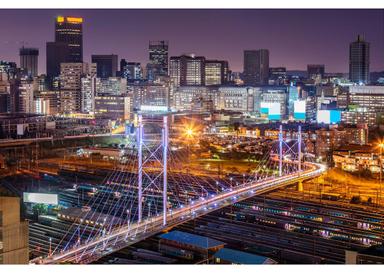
[132,233]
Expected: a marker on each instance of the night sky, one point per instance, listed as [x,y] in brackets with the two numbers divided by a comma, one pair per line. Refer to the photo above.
[294,38]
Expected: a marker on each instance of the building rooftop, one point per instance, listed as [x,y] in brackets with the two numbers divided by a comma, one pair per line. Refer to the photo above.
[240,257]
[357,148]
[191,239]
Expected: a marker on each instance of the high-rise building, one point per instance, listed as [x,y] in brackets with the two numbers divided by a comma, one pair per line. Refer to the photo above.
[130,70]
[69,30]
[256,67]
[359,61]
[57,53]
[158,58]
[70,85]
[216,72]
[29,60]
[106,65]
[13,233]
[89,87]
[27,87]
[315,71]
[187,70]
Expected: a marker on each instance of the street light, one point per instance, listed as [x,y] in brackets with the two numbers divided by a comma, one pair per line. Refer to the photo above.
[50,246]
[189,133]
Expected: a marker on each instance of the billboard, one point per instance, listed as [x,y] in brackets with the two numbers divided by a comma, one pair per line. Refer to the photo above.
[299,110]
[20,128]
[328,116]
[40,198]
[271,109]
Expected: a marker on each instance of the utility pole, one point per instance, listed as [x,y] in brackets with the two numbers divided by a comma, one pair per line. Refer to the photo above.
[281,150]
[165,179]
[139,134]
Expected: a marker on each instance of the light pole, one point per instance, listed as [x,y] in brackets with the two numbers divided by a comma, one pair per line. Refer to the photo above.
[50,246]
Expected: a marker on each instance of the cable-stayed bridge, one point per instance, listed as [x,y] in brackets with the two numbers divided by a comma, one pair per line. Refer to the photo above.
[155,190]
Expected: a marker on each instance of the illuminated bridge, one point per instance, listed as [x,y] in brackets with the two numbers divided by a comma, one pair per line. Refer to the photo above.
[164,193]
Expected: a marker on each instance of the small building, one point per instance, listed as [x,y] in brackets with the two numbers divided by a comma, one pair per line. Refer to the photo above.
[188,246]
[231,256]
[13,233]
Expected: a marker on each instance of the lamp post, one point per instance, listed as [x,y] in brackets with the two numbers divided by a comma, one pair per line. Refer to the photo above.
[50,246]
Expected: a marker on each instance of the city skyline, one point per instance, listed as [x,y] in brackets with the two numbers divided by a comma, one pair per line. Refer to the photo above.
[195,35]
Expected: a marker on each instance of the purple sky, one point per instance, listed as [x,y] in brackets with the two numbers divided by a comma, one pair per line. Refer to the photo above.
[294,38]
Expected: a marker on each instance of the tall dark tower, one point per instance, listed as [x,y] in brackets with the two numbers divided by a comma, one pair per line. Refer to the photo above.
[359,61]
[69,30]
[158,57]
[256,66]
[29,60]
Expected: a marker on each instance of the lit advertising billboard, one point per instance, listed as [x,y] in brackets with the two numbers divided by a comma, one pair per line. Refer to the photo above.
[274,111]
[40,198]
[299,110]
[328,116]
[271,109]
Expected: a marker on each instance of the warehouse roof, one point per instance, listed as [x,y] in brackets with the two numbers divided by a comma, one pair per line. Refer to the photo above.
[191,239]
[240,257]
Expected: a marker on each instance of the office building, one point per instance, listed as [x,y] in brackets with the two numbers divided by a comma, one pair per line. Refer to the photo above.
[89,88]
[69,30]
[150,94]
[27,88]
[114,107]
[158,58]
[274,103]
[236,98]
[187,70]
[56,53]
[70,85]
[112,86]
[8,69]
[29,60]
[184,96]
[13,233]
[315,71]
[106,65]
[359,61]
[370,97]
[256,67]
[277,75]
[130,70]
[216,72]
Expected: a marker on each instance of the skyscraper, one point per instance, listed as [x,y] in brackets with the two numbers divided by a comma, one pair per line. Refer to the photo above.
[70,85]
[29,60]
[158,58]
[256,66]
[106,65]
[216,72]
[69,30]
[130,70]
[57,53]
[187,70]
[359,61]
